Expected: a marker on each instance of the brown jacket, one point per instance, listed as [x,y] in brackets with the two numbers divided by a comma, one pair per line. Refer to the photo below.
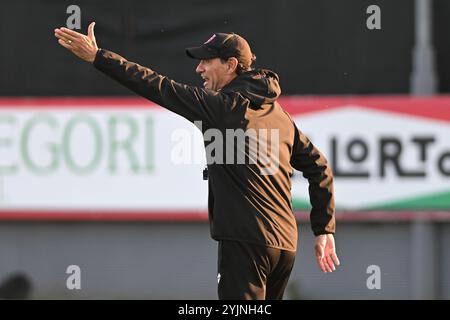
[246,202]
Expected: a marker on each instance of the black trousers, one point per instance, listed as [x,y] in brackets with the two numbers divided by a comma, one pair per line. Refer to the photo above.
[252,272]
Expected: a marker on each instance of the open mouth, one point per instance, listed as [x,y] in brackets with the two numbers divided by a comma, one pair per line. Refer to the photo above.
[205,79]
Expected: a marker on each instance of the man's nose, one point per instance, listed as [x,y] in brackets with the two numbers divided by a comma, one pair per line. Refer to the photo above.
[199,68]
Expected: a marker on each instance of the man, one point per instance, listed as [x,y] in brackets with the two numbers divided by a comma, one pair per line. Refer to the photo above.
[250,209]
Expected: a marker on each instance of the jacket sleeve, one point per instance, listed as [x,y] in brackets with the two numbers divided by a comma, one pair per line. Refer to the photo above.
[308,159]
[192,103]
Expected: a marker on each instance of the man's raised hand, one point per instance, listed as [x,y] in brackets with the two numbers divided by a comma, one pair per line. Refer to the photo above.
[84,47]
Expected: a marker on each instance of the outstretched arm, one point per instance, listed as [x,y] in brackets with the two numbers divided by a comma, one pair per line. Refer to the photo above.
[192,103]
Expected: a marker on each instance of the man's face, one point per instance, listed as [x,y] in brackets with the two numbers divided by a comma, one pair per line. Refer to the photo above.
[214,73]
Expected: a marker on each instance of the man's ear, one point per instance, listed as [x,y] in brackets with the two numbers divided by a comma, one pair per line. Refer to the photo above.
[232,64]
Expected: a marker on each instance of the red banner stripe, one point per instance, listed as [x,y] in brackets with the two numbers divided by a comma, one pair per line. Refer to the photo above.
[436,107]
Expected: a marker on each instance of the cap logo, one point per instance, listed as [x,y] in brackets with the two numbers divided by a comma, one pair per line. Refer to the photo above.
[210,39]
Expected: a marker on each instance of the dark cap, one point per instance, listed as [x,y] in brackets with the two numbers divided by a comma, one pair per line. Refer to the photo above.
[224,45]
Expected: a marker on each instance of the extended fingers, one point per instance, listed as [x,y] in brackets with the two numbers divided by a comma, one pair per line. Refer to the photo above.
[82,46]
[91,30]
[329,263]
[335,258]
[72,33]
[65,35]
[62,38]
[64,44]
[321,258]
[326,261]
[61,34]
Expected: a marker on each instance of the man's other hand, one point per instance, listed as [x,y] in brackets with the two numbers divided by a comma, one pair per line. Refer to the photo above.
[326,253]
[84,47]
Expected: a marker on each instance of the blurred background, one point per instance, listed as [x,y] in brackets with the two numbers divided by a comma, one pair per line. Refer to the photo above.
[101,199]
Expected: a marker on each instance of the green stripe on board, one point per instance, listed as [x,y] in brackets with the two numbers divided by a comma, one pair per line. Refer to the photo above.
[298,204]
[436,201]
